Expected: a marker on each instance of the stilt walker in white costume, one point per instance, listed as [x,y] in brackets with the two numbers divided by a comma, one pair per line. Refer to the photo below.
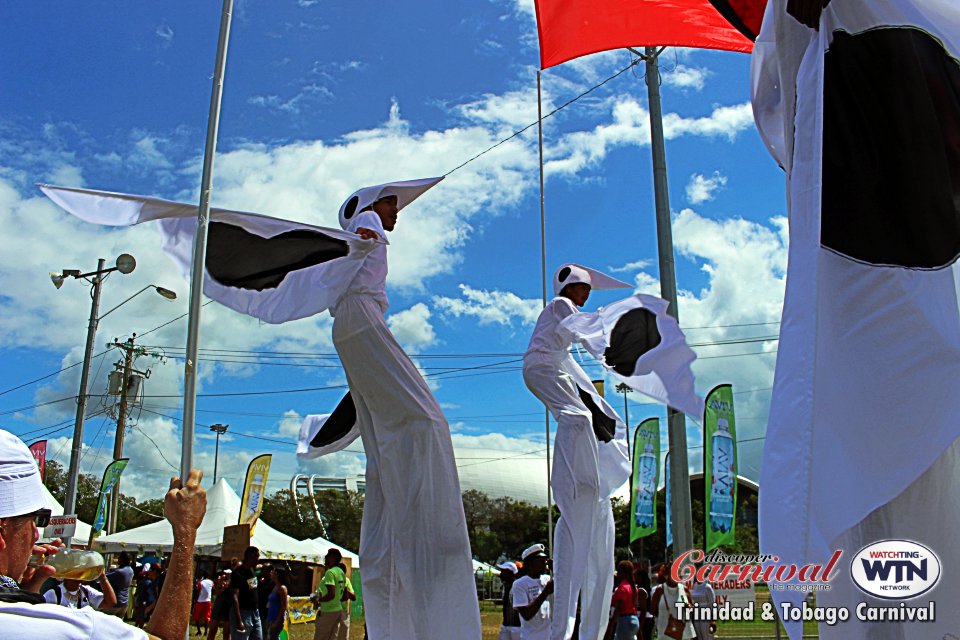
[417,574]
[859,103]
[590,461]
[418,579]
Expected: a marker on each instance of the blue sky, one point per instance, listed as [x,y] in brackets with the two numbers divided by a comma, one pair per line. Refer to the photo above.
[322,98]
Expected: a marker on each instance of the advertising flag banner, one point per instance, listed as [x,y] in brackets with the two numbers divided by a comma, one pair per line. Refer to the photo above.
[111,475]
[666,495]
[720,467]
[646,478]
[39,451]
[254,488]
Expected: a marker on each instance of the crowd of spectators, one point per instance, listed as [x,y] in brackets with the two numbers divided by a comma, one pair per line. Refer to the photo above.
[156,597]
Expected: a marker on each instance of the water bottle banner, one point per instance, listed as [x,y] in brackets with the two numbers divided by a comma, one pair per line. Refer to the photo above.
[720,467]
[646,477]
[254,489]
[111,475]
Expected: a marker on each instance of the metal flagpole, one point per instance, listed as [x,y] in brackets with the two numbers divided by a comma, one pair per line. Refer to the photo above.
[543,277]
[200,246]
[676,424]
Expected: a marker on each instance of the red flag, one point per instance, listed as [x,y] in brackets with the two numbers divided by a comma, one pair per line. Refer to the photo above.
[39,451]
[572,28]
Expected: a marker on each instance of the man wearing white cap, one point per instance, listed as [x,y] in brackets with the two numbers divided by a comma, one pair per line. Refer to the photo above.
[590,437]
[531,592]
[510,625]
[25,615]
[417,572]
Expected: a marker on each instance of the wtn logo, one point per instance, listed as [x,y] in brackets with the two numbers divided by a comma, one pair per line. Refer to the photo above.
[895,569]
[903,569]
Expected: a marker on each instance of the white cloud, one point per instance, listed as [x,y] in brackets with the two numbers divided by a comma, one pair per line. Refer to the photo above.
[513,109]
[290,424]
[165,33]
[745,263]
[701,189]
[412,327]
[525,7]
[147,151]
[630,125]
[490,307]
[684,77]
[631,266]
[307,96]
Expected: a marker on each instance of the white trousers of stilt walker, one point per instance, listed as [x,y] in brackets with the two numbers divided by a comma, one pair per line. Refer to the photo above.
[416,568]
[584,535]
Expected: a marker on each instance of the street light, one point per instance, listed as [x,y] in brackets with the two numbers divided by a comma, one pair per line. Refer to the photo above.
[125,264]
[218,429]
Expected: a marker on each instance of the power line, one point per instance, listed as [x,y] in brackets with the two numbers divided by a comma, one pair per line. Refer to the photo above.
[566,104]
[731,326]
[35,406]
[155,446]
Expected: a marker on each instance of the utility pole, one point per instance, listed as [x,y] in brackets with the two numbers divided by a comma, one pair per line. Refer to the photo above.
[126,384]
[121,427]
[218,429]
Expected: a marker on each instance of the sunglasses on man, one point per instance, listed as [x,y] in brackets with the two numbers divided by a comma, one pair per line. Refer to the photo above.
[41,517]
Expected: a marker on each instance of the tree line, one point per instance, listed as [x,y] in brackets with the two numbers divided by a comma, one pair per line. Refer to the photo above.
[499,528]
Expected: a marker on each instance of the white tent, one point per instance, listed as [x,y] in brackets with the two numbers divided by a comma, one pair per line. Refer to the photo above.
[223,509]
[82,535]
[323,545]
[483,567]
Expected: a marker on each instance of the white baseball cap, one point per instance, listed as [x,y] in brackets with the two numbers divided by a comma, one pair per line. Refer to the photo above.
[406,192]
[509,566]
[21,490]
[534,550]
[571,273]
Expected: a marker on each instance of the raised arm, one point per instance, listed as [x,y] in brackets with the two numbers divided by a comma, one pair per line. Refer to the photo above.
[184,507]
[109,596]
[530,610]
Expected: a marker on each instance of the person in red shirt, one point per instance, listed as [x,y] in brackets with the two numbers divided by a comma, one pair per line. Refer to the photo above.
[623,607]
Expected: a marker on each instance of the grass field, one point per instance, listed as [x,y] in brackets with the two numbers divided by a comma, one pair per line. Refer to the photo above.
[490,618]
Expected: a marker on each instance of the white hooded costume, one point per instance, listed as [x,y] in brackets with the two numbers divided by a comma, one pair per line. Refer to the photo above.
[417,573]
[586,470]
[862,445]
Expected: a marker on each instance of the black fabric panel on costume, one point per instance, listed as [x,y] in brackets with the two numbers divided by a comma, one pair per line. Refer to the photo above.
[238,258]
[634,334]
[604,427]
[338,424]
[744,15]
[891,149]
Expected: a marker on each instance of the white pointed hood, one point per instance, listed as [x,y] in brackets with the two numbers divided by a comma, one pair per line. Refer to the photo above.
[571,273]
[406,192]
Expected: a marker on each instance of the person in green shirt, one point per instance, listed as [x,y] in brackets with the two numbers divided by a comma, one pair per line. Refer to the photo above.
[345,599]
[327,598]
